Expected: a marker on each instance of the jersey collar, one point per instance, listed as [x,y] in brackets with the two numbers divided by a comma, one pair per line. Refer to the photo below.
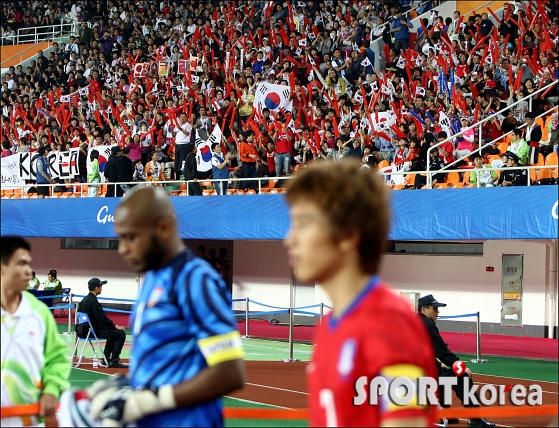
[371,285]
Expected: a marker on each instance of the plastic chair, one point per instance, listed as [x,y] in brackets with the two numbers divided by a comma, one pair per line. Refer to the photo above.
[503,147]
[551,159]
[91,337]
[453,178]
[543,173]
[382,164]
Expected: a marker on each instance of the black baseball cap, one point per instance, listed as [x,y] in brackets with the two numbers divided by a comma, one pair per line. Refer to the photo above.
[429,300]
[95,282]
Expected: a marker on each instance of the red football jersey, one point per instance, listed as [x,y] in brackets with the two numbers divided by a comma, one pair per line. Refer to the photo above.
[378,335]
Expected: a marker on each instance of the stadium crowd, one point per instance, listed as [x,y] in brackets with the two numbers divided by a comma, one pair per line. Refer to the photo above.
[155,77]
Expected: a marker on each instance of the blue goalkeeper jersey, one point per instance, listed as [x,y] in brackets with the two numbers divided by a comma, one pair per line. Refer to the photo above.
[182,323]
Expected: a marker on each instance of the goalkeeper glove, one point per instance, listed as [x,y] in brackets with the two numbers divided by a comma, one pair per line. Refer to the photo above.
[118,406]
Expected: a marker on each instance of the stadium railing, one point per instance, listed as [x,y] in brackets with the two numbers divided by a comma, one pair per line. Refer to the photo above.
[479,126]
[40,34]
[79,190]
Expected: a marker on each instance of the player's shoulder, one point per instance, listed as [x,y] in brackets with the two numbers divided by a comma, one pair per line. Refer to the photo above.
[385,298]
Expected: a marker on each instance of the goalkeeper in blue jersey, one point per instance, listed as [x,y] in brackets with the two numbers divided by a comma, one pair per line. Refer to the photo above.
[186,351]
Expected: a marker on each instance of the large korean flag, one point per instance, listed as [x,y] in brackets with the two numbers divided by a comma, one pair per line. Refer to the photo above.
[204,152]
[104,154]
[272,96]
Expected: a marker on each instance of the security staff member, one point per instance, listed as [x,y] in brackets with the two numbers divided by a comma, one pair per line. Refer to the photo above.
[428,308]
[102,325]
[513,177]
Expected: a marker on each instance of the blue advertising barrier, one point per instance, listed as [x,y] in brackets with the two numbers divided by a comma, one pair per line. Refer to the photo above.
[449,214]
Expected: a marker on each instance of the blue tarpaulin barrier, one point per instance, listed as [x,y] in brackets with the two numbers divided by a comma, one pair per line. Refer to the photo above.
[449,214]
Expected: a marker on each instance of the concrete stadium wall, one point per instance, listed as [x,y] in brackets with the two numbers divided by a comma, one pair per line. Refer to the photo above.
[261,272]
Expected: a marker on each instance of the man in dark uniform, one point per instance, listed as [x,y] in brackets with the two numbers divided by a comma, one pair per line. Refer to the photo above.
[102,325]
[513,177]
[428,308]
[111,173]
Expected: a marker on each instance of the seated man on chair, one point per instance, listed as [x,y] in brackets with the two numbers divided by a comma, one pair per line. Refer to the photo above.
[103,326]
[428,308]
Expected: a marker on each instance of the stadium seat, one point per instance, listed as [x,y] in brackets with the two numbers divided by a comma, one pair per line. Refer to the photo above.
[182,186]
[503,147]
[91,338]
[491,158]
[458,185]
[442,185]
[541,161]
[533,175]
[551,159]
[543,173]
[453,178]
[382,164]
[250,192]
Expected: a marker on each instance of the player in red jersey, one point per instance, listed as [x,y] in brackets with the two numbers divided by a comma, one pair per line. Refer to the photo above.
[339,222]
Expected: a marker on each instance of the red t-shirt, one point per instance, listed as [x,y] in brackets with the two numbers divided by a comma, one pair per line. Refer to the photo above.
[378,335]
[282,143]
[448,147]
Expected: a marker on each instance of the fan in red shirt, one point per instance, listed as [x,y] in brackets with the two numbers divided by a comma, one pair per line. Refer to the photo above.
[339,222]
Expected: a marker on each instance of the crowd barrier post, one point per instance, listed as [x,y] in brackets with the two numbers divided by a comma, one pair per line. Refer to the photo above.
[291,314]
[321,313]
[478,358]
[70,313]
[246,317]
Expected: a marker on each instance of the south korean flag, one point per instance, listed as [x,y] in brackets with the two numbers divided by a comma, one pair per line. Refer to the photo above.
[420,91]
[273,97]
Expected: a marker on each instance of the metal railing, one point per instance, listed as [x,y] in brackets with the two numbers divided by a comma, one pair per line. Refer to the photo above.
[479,125]
[39,34]
[77,189]
[472,170]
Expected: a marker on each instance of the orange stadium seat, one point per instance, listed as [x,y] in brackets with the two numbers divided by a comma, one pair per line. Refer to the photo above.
[453,178]
[543,173]
[382,164]
[503,147]
[551,159]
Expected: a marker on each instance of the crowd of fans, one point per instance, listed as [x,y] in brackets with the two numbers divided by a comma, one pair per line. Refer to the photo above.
[121,79]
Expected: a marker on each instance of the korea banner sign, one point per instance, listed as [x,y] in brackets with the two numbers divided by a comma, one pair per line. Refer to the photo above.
[63,165]
[204,152]
[273,97]
[10,173]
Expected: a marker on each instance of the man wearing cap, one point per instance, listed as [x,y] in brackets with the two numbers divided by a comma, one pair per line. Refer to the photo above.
[102,325]
[512,177]
[428,308]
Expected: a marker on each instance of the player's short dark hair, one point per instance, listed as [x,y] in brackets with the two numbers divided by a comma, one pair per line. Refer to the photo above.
[354,200]
[9,245]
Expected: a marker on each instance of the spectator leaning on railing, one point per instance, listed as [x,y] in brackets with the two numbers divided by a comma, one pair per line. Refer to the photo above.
[137,70]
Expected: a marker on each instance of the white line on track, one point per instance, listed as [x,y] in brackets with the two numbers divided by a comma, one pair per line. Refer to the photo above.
[278,389]
[516,378]
[258,402]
